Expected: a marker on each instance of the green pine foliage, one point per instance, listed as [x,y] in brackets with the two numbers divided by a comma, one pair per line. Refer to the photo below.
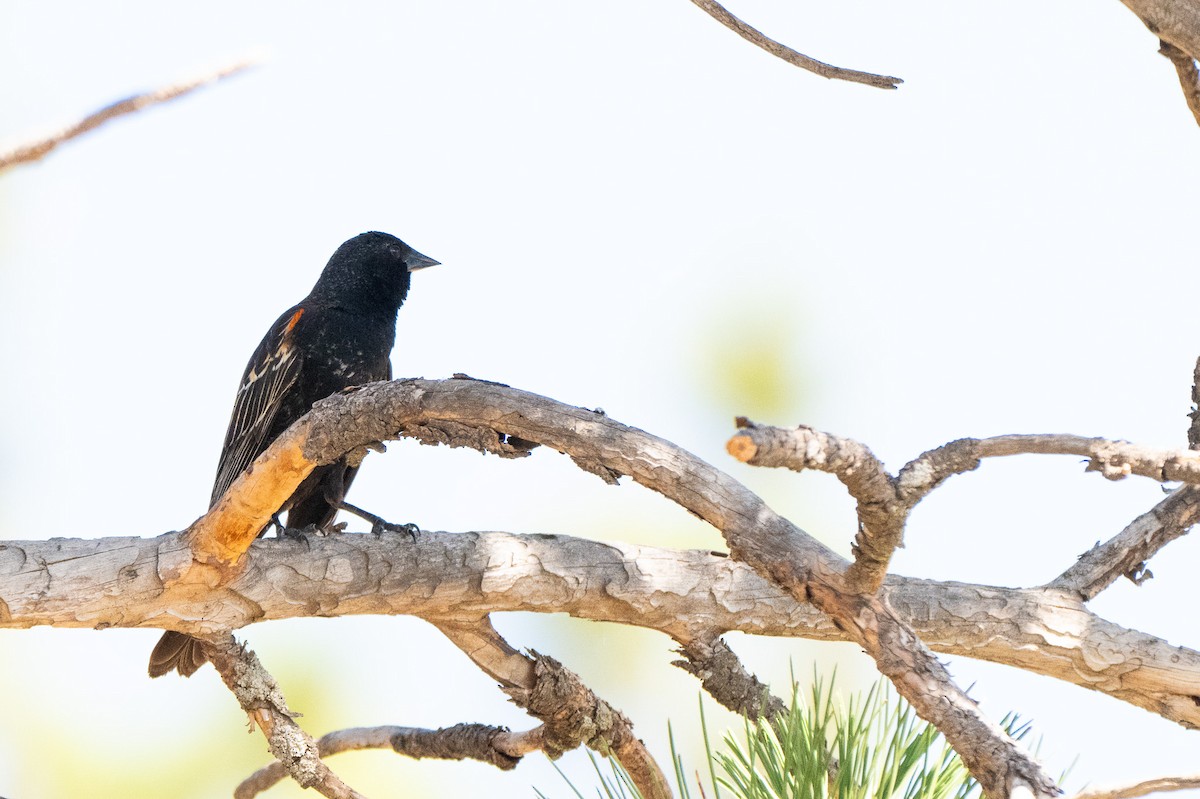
[875,747]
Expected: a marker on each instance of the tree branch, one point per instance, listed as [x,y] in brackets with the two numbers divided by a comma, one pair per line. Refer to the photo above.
[882,511]
[885,502]
[756,37]
[33,151]
[1039,629]
[571,714]
[1126,553]
[260,697]
[494,745]
[1144,788]
[462,412]
[1176,23]
[689,595]
[1189,79]
[723,676]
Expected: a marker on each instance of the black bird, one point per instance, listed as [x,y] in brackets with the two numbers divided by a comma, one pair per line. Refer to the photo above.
[340,335]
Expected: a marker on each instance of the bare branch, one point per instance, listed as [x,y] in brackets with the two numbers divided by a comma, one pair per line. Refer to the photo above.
[754,36]
[25,153]
[1126,553]
[1114,460]
[494,745]
[260,697]
[484,645]
[722,674]
[772,545]
[884,503]
[882,513]
[1001,764]
[570,713]
[463,411]
[1144,788]
[689,595]
[803,448]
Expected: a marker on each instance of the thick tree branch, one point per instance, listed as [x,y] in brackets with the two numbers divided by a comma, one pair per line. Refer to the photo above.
[490,416]
[756,37]
[494,745]
[1176,23]
[32,151]
[462,411]
[260,697]
[688,595]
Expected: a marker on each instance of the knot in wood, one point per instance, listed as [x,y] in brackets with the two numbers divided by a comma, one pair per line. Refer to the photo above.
[571,713]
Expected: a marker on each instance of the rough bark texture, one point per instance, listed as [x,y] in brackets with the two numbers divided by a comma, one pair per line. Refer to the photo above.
[171,582]
[260,697]
[689,595]
[723,676]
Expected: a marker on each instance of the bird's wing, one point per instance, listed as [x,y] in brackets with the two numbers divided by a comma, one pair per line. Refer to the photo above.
[273,370]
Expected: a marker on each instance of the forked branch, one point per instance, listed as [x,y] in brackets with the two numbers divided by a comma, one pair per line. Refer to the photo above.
[480,414]
[494,745]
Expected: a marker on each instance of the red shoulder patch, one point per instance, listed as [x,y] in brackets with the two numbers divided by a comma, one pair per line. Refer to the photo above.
[292,322]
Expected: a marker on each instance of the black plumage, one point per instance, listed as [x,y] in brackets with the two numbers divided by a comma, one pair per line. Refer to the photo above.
[340,335]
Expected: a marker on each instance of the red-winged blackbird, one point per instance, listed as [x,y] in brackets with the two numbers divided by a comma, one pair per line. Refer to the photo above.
[340,335]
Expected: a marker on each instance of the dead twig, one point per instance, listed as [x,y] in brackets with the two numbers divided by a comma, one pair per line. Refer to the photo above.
[1143,788]
[756,37]
[32,151]
[494,745]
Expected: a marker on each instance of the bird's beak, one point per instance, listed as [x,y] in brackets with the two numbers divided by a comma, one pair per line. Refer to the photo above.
[414,261]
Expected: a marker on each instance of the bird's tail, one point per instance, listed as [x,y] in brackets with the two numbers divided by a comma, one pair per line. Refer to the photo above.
[176,652]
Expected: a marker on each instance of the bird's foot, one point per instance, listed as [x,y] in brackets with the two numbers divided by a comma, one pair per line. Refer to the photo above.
[411,530]
[298,533]
[380,525]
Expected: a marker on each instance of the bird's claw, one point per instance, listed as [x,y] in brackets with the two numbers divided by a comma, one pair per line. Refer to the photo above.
[298,533]
[411,530]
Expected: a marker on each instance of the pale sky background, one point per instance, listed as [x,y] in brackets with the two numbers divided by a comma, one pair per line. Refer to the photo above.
[635,210]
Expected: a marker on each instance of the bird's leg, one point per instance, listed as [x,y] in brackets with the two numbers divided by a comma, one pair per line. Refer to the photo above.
[282,531]
[378,523]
